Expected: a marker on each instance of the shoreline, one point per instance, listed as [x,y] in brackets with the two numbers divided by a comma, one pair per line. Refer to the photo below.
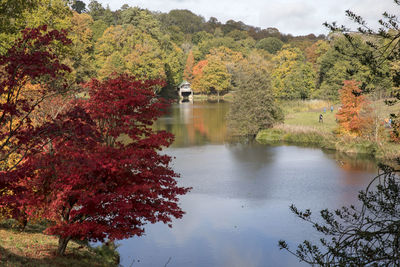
[309,136]
[203,97]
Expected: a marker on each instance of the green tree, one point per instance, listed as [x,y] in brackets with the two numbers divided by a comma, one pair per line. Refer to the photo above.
[16,15]
[238,35]
[142,19]
[314,52]
[201,36]
[12,20]
[254,106]
[205,46]
[301,81]
[125,48]
[174,59]
[186,20]
[82,58]
[292,77]
[343,62]
[270,44]
[78,6]
[114,63]
[54,13]
[215,78]
[98,27]
[98,12]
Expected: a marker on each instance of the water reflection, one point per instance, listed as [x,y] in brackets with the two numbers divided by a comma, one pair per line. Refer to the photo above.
[196,124]
[238,208]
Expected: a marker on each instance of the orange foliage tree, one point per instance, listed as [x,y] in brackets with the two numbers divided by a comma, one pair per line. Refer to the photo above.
[198,75]
[188,72]
[353,116]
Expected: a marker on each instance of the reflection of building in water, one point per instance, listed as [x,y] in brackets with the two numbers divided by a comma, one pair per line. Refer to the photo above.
[186,100]
[186,112]
[185,92]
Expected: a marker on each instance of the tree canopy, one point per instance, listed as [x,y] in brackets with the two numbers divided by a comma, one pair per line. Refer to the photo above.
[254,106]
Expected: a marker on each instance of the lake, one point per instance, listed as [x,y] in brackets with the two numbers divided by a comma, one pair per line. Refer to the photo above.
[238,208]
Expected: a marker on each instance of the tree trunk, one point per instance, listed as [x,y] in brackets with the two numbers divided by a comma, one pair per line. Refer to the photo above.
[62,245]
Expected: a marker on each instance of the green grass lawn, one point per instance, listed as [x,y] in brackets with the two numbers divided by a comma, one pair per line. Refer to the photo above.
[311,119]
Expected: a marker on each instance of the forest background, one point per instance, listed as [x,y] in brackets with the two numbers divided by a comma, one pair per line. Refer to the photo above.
[180,45]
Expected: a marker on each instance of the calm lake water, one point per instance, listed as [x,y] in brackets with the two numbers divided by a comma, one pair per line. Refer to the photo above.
[238,209]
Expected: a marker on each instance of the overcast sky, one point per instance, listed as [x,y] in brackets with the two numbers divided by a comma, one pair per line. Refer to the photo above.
[298,17]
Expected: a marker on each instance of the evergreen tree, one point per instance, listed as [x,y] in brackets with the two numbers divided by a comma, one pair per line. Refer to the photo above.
[254,107]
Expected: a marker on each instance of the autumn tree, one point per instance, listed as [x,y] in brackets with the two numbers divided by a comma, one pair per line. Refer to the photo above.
[142,19]
[33,59]
[130,50]
[81,57]
[213,76]
[227,56]
[188,72]
[314,52]
[101,176]
[198,76]
[16,15]
[54,13]
[216,78]
[353,116]
[292,77]
[140,53]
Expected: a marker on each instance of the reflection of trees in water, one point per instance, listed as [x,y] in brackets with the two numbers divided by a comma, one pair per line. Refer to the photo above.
[244,150]
[196,124]
[368,235]
[354,163]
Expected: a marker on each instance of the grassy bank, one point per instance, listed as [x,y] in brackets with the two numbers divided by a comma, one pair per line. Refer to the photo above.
[32,248]
[301,127]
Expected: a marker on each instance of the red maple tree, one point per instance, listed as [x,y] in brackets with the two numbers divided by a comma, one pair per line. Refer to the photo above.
[352,116]
[101,176]
[33,59]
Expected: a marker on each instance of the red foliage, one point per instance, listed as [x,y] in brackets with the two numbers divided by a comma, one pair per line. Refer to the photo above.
[90,181]
[352,116]
[32,59]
